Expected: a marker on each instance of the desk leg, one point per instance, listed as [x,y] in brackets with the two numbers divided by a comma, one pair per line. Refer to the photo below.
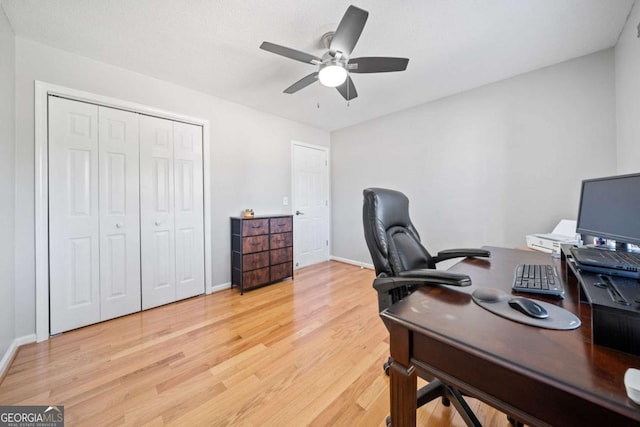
[403,379]
[403,384]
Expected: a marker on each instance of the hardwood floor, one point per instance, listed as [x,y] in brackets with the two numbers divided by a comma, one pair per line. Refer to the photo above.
[301,352]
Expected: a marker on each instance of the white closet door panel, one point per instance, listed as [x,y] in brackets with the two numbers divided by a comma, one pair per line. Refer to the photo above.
[189,210]
[119,213]
[74,270]
[157,228]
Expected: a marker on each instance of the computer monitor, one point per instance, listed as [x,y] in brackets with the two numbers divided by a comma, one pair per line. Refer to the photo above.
[610,208]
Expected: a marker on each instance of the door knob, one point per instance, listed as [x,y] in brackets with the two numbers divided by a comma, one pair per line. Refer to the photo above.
[119,225]
[158,222]
[299,213]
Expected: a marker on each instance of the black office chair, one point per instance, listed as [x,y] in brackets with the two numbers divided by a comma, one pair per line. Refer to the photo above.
[402,265]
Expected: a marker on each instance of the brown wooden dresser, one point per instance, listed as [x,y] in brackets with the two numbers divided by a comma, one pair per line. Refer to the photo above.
[261,250]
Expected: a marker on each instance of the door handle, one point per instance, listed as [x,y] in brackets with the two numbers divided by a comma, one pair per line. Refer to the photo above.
[299,213]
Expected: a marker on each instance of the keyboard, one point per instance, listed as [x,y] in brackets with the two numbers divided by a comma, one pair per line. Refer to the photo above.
[537,279]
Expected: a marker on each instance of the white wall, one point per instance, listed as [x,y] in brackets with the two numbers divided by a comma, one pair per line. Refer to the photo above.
[487,166]
[627,60]
[250,150]
[7,183]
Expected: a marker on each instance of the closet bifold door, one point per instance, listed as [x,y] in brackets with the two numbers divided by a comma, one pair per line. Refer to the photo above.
[171,211]
[157,227]
[189,209]
[94,238]
[119,213]
[74,248]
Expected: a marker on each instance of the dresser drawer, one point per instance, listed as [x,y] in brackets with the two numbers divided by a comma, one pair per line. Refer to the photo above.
[255,227]
[281,271]
[255,261]
[255,244]
[281,225]
[255,278]
[281,240]
[278,256]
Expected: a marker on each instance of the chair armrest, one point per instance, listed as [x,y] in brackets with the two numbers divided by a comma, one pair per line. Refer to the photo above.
[420,278]
[436,277]
[393,289]
[460,253]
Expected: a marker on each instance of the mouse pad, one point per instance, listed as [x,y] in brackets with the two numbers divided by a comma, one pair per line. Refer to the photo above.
[559,318]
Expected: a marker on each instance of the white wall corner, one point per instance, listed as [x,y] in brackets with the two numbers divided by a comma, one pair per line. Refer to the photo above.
[11,352]
[221,287]
[352,262]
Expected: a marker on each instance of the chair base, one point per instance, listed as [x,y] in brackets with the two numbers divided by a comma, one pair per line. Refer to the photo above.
[436,389]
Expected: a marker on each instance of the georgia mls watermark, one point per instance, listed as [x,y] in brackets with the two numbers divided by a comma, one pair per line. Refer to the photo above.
[32,416]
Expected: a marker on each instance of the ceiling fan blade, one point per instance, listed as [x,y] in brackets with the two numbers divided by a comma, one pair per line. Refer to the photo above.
[349,30]
[302,83]
[290,53]
[374,64]
[347,89]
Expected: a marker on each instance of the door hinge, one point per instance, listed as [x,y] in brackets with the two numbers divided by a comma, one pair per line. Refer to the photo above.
[326,162]
[327,243]
[326,203]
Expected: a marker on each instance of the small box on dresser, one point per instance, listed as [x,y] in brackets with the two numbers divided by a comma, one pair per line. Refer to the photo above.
[261,250]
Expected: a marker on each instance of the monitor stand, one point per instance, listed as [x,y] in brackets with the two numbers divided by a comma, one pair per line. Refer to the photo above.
[618,246]
[626,247]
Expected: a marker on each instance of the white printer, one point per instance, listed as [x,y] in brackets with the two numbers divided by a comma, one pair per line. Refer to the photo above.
[563,233]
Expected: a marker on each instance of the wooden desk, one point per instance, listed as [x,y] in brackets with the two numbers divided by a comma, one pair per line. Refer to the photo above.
[539,376]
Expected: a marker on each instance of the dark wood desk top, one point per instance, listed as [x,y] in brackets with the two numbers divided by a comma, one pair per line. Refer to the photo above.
[564,360]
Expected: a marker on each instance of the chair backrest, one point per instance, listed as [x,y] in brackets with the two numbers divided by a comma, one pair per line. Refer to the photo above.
[393,241]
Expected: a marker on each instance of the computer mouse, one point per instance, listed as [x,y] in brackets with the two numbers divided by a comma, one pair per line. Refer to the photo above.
[528,307]
[488,294]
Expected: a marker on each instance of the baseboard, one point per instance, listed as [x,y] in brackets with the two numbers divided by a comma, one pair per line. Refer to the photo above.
[12,350]
[220,287]
[352,262]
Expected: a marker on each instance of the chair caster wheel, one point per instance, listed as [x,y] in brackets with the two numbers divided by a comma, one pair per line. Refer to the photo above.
[387,366]
[388,420]
[514,422]
[445,401]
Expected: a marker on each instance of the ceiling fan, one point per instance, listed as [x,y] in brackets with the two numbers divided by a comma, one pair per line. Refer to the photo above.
[335,65]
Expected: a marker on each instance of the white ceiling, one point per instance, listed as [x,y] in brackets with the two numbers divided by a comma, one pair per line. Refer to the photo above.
[212,46]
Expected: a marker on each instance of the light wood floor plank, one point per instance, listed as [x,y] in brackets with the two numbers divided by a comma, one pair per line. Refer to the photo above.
[307,351]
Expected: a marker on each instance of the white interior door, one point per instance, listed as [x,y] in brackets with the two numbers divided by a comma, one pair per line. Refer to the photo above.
[74,272]
[157,228]
[310,204]
[189,215]
[119,213]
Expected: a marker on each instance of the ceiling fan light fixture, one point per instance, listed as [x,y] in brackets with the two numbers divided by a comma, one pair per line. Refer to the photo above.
[332,74]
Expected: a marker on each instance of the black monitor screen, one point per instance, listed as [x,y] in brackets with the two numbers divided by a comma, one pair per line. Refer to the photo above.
[610,208]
